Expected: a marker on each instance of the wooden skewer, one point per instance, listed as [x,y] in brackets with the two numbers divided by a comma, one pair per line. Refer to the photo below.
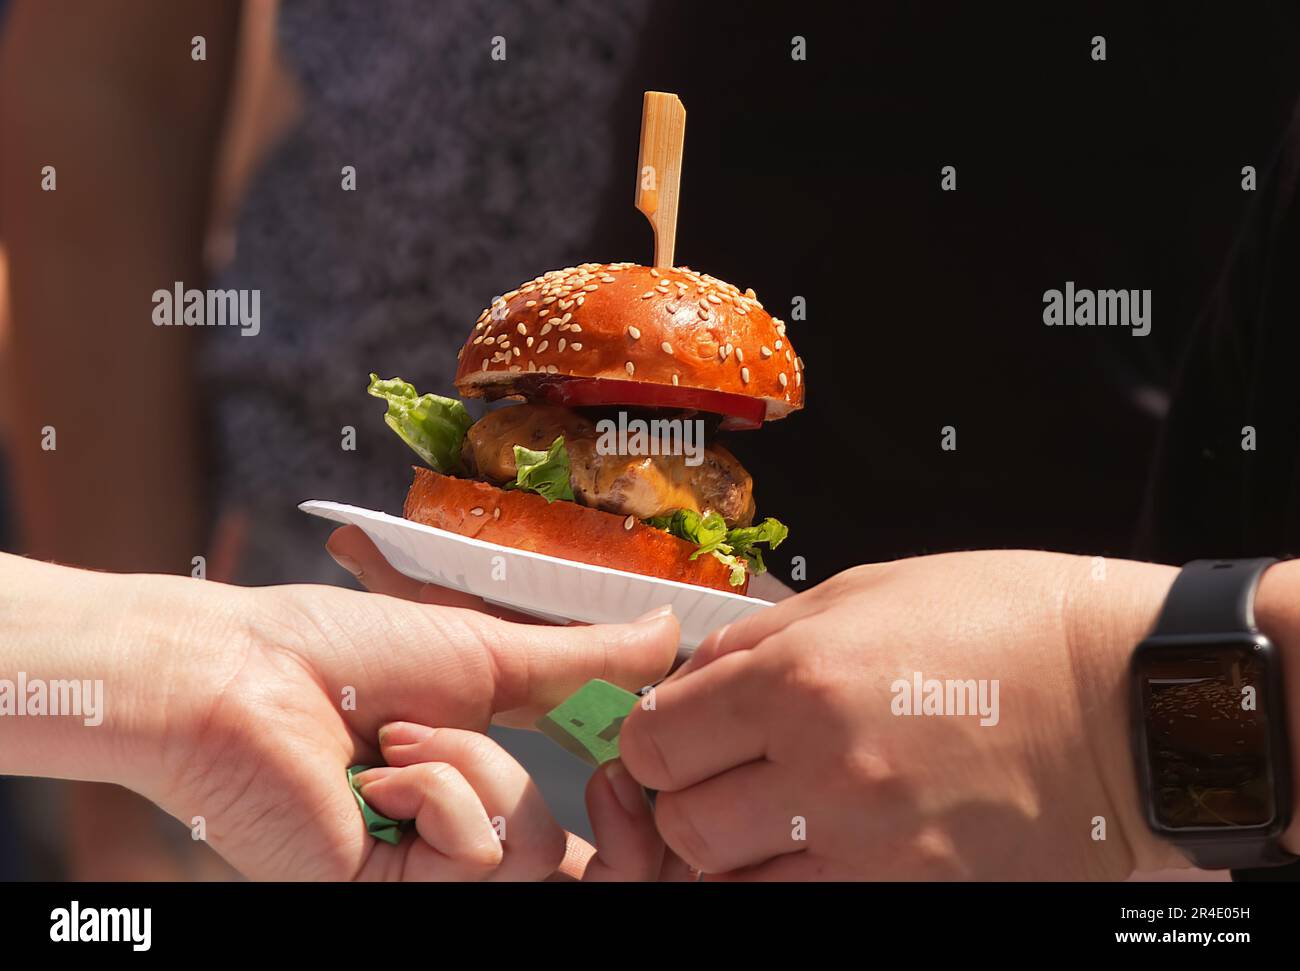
[659,169]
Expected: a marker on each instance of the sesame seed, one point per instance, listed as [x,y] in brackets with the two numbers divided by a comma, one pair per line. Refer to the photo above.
[629,522]
[777,345]
[722,352]
[729,350]
[714,298]
[634,333]
[765,351]
[546,328]
[478,340]
[485,365]
[532,366]
[496,513]
[561,344]
[511,295]
[607,279]
[580,300]
[575,328]
[704,304]
[674,380]
[740,356]
[503,343]
[647,295]
[476,511]
[550,300]
[653,271]
[551,369]
[543,346]
[591,287]
[798,379]
[515,368]
[749,292]
[631,368]
[740,309]
[542,313]
[517,351]
[529,342]
[667,348]
[566,318]
[575,346]
[703,312]
[522,329]
[744,374]
[781,378]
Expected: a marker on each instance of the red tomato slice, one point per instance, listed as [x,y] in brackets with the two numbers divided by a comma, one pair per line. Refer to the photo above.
[740,412]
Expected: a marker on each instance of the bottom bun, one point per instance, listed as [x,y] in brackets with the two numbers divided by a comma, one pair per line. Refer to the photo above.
[526,521]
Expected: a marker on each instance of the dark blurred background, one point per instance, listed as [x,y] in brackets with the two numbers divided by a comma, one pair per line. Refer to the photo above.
[816,178]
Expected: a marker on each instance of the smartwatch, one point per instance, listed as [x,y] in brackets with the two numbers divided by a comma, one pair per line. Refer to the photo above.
[1209,721]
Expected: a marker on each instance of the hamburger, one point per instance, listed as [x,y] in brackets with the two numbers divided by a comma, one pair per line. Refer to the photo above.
[626,376]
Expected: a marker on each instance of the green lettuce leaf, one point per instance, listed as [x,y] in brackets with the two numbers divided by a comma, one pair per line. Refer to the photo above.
[737,548]
[546,473]
[433,426]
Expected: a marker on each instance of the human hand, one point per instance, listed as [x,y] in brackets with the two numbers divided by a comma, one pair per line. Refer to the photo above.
[788,715]
[239,710]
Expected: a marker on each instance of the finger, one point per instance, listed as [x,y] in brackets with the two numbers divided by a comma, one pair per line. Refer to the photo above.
[533,843]
[457,841]
[628,846]
[738,819]
[748,632]
[537,667]
[698,727]
[353,550]
[577,854]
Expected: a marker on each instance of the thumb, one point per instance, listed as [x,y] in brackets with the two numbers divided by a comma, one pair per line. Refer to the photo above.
[536,667]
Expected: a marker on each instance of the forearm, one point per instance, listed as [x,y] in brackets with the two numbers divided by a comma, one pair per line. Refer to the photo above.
[95,669]
[1277,614]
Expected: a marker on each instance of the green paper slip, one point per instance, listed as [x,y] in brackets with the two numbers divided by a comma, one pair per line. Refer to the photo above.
[380,827]
[586,723]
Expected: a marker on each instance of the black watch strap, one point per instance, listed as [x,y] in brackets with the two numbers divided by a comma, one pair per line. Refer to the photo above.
[1213,597]
[1218,597]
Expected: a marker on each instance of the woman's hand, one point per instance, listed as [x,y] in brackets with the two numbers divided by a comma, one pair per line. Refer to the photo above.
[239,710]
[780,750]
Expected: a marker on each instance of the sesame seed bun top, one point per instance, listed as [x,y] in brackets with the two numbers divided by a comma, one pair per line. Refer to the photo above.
[626,322]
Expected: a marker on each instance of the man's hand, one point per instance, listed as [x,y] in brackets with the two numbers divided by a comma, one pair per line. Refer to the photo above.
[779,751]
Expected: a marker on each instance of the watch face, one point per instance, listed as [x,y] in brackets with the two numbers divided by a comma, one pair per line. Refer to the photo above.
[1206,718]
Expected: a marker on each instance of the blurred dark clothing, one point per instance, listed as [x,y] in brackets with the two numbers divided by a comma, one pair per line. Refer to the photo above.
[822,179]
[1209,495]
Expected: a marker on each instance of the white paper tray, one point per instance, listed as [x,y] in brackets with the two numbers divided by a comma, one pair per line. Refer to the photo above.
[542,586]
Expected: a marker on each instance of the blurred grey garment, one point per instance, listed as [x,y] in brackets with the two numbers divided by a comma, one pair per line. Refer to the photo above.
[472,174]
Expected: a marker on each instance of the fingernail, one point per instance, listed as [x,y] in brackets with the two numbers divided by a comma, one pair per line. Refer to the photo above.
[345,561]
[371,776]
[627,790]
[403,733]
[655,614]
